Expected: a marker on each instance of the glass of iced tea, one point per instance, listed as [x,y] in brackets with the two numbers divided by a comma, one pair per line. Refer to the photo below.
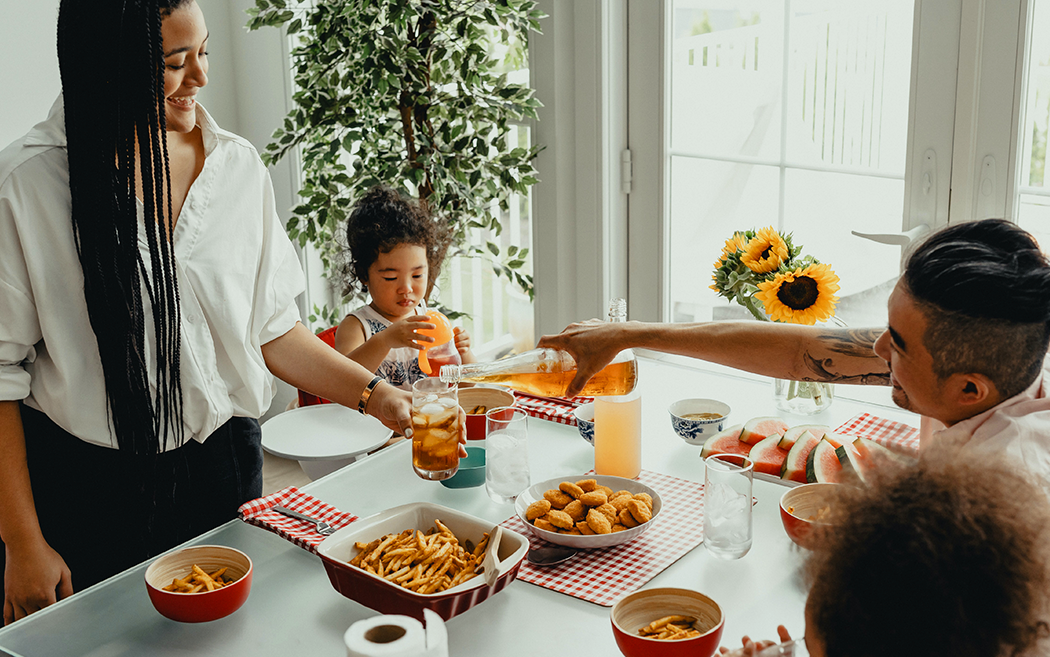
[435,429]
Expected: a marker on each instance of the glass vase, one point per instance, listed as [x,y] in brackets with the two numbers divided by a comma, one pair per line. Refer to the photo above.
[802,397]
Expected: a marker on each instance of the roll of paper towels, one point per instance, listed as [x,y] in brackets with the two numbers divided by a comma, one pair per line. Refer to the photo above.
[397,636]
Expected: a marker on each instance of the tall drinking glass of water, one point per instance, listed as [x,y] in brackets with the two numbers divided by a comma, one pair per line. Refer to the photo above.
[506,453]
[435,429]
[727,505]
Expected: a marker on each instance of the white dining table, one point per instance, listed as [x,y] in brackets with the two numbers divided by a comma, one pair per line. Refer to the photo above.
[293,609]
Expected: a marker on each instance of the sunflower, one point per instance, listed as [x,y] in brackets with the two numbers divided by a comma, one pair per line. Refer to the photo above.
[765,252]
[803,296]
[738,242]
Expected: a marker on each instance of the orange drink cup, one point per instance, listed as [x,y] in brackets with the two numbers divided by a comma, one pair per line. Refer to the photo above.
[618,435]
[435,429]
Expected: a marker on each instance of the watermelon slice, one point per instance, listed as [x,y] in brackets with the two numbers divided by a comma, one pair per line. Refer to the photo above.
[726,441]
[767,455]
[757,429]
[822,464]
[792,434]
[794,468]
[851,462]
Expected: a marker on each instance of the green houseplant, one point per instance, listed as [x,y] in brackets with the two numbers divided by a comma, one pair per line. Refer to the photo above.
[407,93]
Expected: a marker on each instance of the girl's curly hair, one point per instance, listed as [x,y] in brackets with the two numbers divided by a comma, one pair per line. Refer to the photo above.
[381,220]
[948,557]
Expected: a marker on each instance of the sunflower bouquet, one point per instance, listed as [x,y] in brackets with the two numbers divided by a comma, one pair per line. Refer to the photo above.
[766,273]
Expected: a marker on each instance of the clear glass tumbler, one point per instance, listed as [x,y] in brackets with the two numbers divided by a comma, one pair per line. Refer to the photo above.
[727,505]
[435,429]
[506,453]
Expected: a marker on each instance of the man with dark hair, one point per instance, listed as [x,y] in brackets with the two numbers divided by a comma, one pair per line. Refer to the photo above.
[966,341]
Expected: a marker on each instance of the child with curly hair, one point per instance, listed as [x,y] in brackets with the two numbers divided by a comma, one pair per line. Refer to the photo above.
[394,252]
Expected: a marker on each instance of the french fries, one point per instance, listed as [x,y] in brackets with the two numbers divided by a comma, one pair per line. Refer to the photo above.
[670,628]
[424,563]
[199,581]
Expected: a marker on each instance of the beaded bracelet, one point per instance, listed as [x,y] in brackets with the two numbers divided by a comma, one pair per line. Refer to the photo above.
[366,394]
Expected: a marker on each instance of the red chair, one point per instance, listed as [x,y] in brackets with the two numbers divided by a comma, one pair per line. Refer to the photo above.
[305,398]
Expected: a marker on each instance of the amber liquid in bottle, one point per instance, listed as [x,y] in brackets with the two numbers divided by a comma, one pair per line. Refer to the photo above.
[614,379]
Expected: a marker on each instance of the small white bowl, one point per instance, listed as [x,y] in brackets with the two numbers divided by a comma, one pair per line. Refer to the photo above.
[584,414]
[696,432]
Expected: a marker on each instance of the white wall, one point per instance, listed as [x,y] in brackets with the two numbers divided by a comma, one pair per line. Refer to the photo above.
[28,65]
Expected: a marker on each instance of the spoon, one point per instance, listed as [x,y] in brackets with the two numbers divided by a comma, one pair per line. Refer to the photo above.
[490,564]
[550,556]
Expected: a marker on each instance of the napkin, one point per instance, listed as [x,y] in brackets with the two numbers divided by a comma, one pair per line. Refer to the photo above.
[302,533]
[555,409]
[896,436]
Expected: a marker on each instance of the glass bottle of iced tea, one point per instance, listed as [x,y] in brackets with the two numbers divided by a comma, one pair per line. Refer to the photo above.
[547,373]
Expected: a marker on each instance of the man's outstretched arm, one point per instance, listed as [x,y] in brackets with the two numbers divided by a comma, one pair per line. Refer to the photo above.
[784,351]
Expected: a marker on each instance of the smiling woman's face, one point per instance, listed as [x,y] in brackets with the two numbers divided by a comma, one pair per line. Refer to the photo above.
[185,65]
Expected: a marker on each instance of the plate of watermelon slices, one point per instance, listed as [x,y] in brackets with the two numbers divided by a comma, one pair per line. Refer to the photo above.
[807,453]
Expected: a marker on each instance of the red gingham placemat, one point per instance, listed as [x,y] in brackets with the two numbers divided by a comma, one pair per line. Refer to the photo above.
[555,409]
[302,533]
[897,436]
[603,576]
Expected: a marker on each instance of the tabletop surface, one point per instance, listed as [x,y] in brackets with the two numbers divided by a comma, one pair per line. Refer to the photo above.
[293,609]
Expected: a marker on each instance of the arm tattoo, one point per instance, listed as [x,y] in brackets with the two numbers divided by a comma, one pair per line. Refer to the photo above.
[821,363]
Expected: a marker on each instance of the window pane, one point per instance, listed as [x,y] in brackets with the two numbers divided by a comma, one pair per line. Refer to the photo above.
[815,145]
[1033,192]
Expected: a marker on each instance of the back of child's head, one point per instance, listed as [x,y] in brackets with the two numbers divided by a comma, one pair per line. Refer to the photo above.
[381,220]
[948,557]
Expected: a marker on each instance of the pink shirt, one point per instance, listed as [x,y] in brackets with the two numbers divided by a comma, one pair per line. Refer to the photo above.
[1019,427]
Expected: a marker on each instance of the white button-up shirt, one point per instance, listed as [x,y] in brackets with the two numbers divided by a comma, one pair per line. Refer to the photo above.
[238,277]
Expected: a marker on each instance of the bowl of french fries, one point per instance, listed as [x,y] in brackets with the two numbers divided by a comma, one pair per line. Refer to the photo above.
[419,556]
[667,622]
[478,400]
[200,583]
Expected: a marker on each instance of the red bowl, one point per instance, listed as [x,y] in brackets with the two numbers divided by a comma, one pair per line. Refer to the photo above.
[804,502]
[205,606]
[637,610]
[490,398]
[388,598]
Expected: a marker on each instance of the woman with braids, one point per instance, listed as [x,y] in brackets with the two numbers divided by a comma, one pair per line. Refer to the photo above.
[147,297]
[947,558]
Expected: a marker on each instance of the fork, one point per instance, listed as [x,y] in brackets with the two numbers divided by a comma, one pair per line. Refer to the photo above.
[322,527]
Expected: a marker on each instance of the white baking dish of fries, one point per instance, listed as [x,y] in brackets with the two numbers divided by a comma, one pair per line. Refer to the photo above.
[402,568]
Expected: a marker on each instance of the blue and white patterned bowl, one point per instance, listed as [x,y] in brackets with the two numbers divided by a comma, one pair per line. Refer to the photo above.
[696,432]
[585,421]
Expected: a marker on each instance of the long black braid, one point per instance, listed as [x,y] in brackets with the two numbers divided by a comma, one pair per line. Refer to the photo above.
[114,111]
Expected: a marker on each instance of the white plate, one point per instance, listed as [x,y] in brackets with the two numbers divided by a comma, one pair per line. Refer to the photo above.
[535,493]
[322,432]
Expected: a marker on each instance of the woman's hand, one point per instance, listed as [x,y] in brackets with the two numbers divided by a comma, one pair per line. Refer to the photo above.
[403,332]
[33,579]
[593,344]
[751,648]
[393,407]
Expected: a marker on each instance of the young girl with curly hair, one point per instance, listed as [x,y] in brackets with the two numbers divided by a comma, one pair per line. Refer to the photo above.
[394,253]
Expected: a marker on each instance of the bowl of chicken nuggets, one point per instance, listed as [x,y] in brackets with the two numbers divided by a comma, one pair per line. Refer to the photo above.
[588,511]
[667,622]
[200,583]
[419,556]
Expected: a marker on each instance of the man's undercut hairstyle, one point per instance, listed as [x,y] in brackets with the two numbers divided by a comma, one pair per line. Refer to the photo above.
[984,288]
[113,112]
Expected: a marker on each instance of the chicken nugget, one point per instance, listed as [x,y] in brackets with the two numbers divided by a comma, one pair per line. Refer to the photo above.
[645,497]
[598,522]
[595,498]
[571,489]
[621,492]
[584,528]
[609,511]
[618,527]
[557,498]
[560,519]
[627,519]
[640,511]
[576,510]
[544,524]
[537,509]
[620,503]
[571,532]
[587,485]
[605,489]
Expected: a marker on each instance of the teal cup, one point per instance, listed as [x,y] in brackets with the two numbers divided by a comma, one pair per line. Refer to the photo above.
[471,471]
